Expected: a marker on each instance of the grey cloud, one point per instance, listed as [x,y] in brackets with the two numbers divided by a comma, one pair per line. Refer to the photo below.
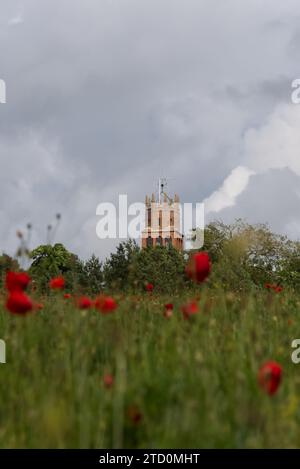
[117,93]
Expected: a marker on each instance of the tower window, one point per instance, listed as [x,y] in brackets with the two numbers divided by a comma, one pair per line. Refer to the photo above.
[172,218]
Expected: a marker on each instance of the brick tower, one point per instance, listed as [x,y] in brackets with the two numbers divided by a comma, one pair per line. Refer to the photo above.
[162,221]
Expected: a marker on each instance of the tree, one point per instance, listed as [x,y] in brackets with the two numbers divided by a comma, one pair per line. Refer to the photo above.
[117,266]
[93,275]
[50,261]
[289,272]
[7,263]
[161,266]
[244,255]
[215,236]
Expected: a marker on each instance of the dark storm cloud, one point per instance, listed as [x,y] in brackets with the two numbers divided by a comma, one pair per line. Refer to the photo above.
[104,97]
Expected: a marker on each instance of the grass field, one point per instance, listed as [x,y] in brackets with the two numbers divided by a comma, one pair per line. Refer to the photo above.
[177,383]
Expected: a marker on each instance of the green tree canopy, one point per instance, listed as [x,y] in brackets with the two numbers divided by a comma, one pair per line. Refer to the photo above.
[7,263]
[92,275]
[161,266]
[117,267]
[50,261]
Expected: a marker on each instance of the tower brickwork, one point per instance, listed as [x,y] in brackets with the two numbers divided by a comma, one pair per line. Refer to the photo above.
[162,222]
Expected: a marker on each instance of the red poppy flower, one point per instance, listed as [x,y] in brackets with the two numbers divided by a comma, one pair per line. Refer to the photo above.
[169,306]
[149,287]
[38,306]
[67,296]
[18,302]
[105,304]
[84,302]
[199,267]
[57,283]
[189,309]
[134,414]
[269,377]
[17,281]
[108,380]
[276,288]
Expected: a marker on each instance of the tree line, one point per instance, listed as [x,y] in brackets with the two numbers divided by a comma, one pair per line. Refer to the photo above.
[244,256]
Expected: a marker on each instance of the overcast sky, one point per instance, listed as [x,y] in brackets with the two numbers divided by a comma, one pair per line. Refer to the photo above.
[104,96]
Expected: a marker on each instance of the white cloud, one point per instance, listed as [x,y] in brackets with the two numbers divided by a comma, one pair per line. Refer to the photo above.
[275,144]
[226,195]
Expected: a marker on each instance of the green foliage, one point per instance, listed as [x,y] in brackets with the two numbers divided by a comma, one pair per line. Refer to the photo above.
[117,267]
[131,268]
[163,267]
[7,263]
[245,255]
[290,264]
[74,275]
[215,236]
[92,275]
[50,261]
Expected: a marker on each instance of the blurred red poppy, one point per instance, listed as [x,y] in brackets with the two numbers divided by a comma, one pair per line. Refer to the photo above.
[269,377]
[149,287]
[189,309]
[57,283]
[276,288]
[134,414]
[18,302]
[108,380]
[84,302]
[67,296]
[17,281]
[169,306]
[105,304]
[199,267]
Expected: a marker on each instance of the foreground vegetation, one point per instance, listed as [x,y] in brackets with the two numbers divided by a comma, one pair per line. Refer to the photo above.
[135,376]
[176,383]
